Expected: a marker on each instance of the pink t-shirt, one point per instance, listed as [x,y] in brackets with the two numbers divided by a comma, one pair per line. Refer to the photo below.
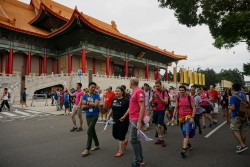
[161,105]
[137,96]
[184,105]
[78,94]
[204,98]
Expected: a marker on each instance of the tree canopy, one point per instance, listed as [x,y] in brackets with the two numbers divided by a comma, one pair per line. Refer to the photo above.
[228,20]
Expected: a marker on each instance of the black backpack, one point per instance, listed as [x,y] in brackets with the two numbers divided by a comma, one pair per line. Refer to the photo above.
[9,96]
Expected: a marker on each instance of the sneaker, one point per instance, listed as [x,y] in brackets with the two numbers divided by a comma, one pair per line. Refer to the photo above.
[241,149]
[79,129]
[95,148]
[145,128]
[238,147]
[172,124]
[168,124]
[73,129]
[85,153]
[142,162]
[203,127]
[136,165]
[158,142]
[163,143]
[189,147]
[210,125]
[215,123]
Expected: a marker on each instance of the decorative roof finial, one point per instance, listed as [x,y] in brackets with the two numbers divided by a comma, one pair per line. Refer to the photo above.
[51,7]
[76,8]
[173,52]
[114,26]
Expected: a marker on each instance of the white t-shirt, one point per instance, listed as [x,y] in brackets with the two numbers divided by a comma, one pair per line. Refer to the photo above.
[148,95]
[172,102]
[5,97]
[101,99]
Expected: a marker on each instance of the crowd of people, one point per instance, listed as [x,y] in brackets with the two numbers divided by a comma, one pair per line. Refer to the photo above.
[185,108]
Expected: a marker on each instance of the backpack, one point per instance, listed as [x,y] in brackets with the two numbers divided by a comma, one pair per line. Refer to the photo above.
[56,96]
[189,100]
[244,109]
[9,96]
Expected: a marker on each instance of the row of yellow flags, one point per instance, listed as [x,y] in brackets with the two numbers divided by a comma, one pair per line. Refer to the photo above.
[189,77]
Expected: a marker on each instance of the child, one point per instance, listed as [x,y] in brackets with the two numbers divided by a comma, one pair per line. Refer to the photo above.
[66,102]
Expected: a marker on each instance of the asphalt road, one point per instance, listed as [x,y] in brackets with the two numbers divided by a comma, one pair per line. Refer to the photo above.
[47,142]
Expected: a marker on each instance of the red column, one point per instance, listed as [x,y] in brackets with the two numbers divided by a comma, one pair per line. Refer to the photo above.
[1,63]
[113,68]
[158,73]
[83,61]
[69,64]
[58,65]
[107,65]
[6,63]
[45,64]
[40,66]
[146,71]
[93,66]
[52,68]
[25,63]
[11,61]
[166,73]
[134,71]
[126,67]
[29,63]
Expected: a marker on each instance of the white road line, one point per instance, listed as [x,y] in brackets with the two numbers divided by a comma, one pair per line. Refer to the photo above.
[9,114]
[23,113]
[34,112]
[210,133]
[1,117]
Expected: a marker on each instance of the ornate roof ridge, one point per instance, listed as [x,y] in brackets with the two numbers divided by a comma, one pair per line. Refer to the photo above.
[20,4]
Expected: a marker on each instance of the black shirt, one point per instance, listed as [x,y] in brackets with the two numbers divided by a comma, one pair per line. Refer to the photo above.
[119,108]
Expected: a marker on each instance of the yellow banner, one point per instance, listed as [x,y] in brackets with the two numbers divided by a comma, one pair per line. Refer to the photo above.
[181,75]
[200,79]
[203,78]
[185,75]
[196,78]
[174,72]
[191,77]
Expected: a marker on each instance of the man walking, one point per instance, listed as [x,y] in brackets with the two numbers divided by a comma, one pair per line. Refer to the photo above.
[238,126]
[148,95]
[214,97]
[90,103]
[159,101]
[77,109]
[5,98]
[109,96]
[136,113]
[57,98]
[24,97]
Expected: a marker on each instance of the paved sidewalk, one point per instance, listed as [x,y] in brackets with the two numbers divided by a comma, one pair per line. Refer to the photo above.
[39,105]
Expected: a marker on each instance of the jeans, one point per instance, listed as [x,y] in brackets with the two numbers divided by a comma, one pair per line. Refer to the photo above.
[6,103]
[136,142]
[91,121]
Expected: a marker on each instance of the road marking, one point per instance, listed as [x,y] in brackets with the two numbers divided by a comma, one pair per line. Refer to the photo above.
[23,113]
[1,117]
[210,133]
[9,114]
[34,112]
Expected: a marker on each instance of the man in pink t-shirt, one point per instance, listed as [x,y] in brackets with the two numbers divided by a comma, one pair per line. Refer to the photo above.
[136,113]
[77,107]
[158,101]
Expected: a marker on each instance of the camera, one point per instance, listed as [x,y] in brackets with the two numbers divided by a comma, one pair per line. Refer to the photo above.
[154,104]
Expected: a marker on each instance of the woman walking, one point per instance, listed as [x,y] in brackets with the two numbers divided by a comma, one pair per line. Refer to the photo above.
[225,104]
[205,104]
[119,107]
[186,107]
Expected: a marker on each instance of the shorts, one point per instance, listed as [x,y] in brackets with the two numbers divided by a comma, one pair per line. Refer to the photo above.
[187,129]
[158,117]
[238,125]
[24,99]
[206,109]
[75,111]
[216,108]
[66,104]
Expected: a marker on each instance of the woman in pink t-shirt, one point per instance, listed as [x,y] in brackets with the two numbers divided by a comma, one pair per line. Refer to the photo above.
[205,104]
[186,106]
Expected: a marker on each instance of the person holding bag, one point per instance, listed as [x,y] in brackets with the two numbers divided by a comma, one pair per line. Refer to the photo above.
[186,107]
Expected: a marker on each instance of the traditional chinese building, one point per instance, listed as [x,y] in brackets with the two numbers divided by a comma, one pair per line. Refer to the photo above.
[45,37]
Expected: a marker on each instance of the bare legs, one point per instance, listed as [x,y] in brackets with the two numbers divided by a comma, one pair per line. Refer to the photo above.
[74,120]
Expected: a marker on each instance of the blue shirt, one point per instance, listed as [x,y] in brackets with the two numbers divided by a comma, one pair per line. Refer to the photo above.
[66,97]
[93,111]
[24,95]
[236,102]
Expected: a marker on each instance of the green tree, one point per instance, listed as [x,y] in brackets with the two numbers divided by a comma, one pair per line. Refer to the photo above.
[232,75]
[170,76]
[210,77]
[228,20]
[246,69]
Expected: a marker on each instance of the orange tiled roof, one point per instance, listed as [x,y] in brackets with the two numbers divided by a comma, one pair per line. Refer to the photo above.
[22,14]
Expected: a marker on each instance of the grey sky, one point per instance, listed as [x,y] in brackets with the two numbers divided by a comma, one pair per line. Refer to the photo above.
[145,21]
